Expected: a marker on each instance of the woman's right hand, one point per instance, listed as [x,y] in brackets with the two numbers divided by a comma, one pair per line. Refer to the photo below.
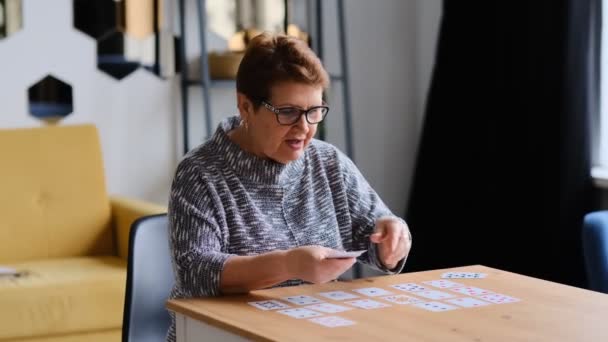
[310,263]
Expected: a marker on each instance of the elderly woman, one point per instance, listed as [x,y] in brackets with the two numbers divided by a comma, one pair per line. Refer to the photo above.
[263,203]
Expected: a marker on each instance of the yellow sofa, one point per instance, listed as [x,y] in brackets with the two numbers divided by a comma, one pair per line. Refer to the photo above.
[65,236]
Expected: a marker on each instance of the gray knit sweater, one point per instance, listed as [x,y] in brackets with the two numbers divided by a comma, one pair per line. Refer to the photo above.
[225,201]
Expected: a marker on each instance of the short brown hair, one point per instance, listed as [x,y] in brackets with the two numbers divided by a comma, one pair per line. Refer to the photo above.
[274,58]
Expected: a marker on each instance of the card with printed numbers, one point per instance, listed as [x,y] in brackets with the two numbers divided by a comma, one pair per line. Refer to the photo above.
[498,298]
[443,284]
[338,295]
[328,307]
[302,300]
[436,306]
[299,313]
[409,287]
[470,290]
[373,291]
[467,302]
[367,304]
[463,275]
[434,294]
[402,299]
[269,305]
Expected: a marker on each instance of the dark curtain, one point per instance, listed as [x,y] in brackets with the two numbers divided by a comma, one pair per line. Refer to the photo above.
[503,168]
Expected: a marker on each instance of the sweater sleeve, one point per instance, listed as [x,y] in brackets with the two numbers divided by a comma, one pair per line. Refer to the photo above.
[365,207]
[196,240]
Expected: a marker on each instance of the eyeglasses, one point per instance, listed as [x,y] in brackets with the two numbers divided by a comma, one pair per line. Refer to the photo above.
[291,115]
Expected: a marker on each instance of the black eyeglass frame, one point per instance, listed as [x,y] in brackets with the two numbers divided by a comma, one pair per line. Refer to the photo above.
[305,112]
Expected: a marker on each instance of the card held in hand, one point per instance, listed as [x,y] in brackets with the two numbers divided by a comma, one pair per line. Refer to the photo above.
[335,254]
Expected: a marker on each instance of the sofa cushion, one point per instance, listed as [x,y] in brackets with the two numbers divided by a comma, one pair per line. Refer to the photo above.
[114,335]
[63,296]
[53,202]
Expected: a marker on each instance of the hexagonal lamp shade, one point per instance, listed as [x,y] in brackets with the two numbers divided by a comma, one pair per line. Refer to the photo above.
[128,34]
[97,18]
[11,19]
[50,99]
[111,57]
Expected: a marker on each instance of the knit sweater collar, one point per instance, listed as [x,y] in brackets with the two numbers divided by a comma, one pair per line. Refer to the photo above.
[251,167]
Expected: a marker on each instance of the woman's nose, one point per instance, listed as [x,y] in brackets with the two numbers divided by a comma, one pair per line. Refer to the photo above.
[302,123]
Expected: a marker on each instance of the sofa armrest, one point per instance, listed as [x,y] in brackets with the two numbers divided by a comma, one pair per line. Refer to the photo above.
[124,212]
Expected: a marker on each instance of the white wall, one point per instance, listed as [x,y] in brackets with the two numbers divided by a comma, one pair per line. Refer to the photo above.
[136,117]
[390,49]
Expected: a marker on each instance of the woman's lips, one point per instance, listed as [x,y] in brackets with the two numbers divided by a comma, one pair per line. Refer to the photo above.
[295,144]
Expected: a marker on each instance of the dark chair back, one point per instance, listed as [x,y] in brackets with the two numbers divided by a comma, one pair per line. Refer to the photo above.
[595,247]
[149,281]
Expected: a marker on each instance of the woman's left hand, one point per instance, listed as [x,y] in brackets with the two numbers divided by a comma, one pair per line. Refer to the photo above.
[393,239]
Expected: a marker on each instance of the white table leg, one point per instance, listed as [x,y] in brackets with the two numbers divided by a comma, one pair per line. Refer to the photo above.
[191,330]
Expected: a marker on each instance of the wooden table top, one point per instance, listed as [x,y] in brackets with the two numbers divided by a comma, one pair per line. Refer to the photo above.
[547,312]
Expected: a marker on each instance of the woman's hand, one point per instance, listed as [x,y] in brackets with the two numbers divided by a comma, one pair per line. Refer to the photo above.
[393,239]
[310,264]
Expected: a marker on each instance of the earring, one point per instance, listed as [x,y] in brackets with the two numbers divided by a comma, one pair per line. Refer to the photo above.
[244,123]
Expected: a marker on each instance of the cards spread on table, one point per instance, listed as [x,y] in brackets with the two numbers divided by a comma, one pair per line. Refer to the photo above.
[269,305]
[463,275]
[436,306]
[338,295]
[467,302]
[498,298]
[332,321]
[373,291]
[402,299]
[367,304]
[409,287]
[335,254]
[443,284]
[470,290]
[300,313]
[302,300]
[434,294]
[328,307]
[428,298]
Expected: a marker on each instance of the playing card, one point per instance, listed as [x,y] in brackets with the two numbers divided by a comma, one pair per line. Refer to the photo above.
[335,254]
[467,302]
[409,287]
[434,294]
[338,295]
[443,284]
[300,313]
[269,305]
[470,290]
[498,298]
[436,306]
[463,275]
[302,300]
[328,307]
[402,299]
[7,271]
[332,321]
[367,304]
[373,291]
